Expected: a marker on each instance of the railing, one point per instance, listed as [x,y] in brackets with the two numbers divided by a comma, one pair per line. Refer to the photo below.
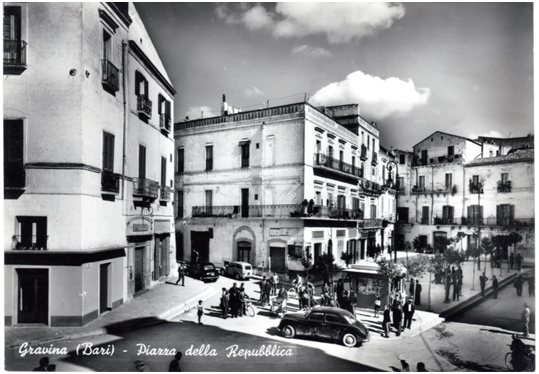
[164,193]
[333,163]
[110,75]
[14,52]
[144,106]
[110,182]
[145,187]
[504,221]
[374,161]
[370,187]
[29,242]
[245,162]
[164,122]
[504,186]
[416,189]
[363,155]
[445,221]
[476,187]
[370,222]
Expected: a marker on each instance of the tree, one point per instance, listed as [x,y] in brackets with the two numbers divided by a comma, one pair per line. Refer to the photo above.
[460,238]
[416,267]
[325,266]
[473,251]
[487,248]
[347,257]
[435,265]
[390,270]
[418,246]
[441,244]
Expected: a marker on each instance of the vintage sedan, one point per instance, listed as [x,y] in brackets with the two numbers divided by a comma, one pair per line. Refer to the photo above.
[326,322]
[205,271]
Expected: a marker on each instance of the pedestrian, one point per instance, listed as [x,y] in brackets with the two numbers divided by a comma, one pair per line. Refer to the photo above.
[409,310]
[512,261]
[262,286]
[531,285]
[233,294]
[175,364]
[224,303]
[526,320]
[377,304]
[200,311]
[345,300]
[352,302]
[455,281]
[340,291]
[412,287]
[447,287]
[460,279]
[310,207]
[405,366]
[386,322]
[397,317]
[245,299]
[43,363]
[418,289]
[241,302]
[275,283]
[518,261]
[51,367]
[195,256]
[518,285]
[483,281]
[181,274]
[421,367]
[140,366]
[267,291]
[495,287]
[325,288]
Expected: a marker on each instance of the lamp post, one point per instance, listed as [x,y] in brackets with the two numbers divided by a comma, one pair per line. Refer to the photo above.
[390,184]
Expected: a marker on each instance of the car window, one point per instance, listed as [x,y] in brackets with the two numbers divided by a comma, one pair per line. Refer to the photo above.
[208,267]
[248,267]
[316,317]
[333,318]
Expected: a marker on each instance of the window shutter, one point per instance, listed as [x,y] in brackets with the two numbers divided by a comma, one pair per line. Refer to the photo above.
[142,162]
[163,171]
[137,83]
[470,212]
[146,92]
[291,250]
[167,108]
[511,213]
[480,213]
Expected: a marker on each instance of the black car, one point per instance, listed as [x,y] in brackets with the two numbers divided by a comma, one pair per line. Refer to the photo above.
[205,271]
[326,322]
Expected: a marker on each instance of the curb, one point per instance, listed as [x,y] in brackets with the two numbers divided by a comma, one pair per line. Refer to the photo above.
[184,307]
[476,298]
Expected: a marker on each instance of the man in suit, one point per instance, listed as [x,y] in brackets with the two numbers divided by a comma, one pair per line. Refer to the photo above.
[418,289]
[495,287]
[174,365]
[409,310]
[397,317]
[483,281]
[386,322]
[526,320]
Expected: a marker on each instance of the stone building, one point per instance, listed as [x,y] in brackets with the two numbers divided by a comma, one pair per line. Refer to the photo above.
[88,163]
[275,185]
[453,184]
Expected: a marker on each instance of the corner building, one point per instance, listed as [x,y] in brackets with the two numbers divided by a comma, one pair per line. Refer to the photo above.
[272,186]
[88,219]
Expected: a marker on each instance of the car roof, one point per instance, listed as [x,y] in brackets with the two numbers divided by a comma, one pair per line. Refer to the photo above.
[239,262]
[329,309]
[205,263]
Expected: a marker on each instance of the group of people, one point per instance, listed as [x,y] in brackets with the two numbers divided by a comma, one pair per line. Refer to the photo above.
[519,284]
[233,301]
[44,365]
[515,260]
[268,287]
[453,278]
[399,311]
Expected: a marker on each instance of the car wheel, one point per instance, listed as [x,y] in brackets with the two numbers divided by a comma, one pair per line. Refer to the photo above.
[289,332]
[222,272]
[237,276]
[349,340]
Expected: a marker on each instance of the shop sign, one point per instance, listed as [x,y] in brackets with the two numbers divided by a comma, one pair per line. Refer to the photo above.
[283,231]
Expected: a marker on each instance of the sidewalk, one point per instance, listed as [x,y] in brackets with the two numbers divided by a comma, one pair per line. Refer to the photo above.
[159,303]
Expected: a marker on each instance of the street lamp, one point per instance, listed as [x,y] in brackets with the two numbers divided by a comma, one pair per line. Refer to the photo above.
[391,184]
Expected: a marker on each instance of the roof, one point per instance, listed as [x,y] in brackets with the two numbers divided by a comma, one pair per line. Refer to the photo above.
[521,155]
[445,133]
[329,309]
[521,142]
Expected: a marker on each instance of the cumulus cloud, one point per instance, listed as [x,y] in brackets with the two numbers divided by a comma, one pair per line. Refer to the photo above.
[377,98]
[250,92]
[311,51]
[339,22]
[489,134]
[196,112]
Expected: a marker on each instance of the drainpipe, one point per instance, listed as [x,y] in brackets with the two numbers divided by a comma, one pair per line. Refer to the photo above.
[431,218]
[124,47]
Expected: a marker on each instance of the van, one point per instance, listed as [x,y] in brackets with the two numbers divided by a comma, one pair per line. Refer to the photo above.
[239,270]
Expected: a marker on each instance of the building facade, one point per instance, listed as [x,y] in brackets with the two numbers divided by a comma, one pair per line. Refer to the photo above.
[82,201]
[275,185]
[453,184]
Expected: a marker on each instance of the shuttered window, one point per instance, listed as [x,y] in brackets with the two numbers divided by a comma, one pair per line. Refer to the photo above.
[108,151]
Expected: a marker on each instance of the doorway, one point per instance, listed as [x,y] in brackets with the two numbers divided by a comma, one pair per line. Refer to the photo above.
[278,260]
[33,298]
[244,202]
[139,269]
[104,288]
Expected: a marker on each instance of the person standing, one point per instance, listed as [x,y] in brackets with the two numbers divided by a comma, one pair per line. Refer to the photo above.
[195,256]
[518,261]
[43,364]
[421,367]
[224,302]
[483,281]
[418,289]
[386,322]
[518,285]
[233,300]
[352,302]
[397,317]
[447,287]
[455,280]
[174,365]
[512,261]
[460,279]
[262,285]
[526,320]
[377,304]
[531,285]
[409,310]
[181,274]
[495,287]
[200,312]
[275,283]
[241,303]
[412,287]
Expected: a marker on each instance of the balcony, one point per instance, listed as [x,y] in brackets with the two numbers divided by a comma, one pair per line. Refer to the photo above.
[363,155]
[144,106]
[506,221]
[110,76]
[476,187]
[164,193]
[334,164]
[164,122]
[420,189]
[145,188]
[371,222]
[14,55]
[29,242]
[504,186]
[374,161]
[370,188]
[110,182]
[445,221]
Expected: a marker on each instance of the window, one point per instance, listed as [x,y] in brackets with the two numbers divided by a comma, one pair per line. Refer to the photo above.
[450,151]
[14,46]
[32,233]
[373,211]
[505,214]
[400,184]
[209,157]
[180,204]
[447,214]
[163,109]
[424,157]
[244,253]
[475,215]
[180,160]
[425,215]
[14,172]
[402,215]
[373,144]
[402,159]
[144,104]
[448,180]
[245,154]
[332,318]
[209,201]
[141,161]
[108,151]
[141,85]
[368,142]
[163,171]
[316,317]
[330,151]
[107,46]
[421,181]
[505,177]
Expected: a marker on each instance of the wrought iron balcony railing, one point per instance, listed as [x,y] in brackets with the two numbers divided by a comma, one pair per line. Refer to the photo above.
[476,187]
[370,188]
[164,122]
[145,188]
[14,53]
[110,182]
[144,106]
[164,193]
[29,242]
[371,222]
[374,160]
[504,186]
[332,163]
[363,155]
[110,75]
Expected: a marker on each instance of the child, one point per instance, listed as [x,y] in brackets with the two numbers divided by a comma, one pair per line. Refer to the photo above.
[200,311]
[377,304]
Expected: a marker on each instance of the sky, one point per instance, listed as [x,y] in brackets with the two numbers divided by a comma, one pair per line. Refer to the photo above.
[413,68]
